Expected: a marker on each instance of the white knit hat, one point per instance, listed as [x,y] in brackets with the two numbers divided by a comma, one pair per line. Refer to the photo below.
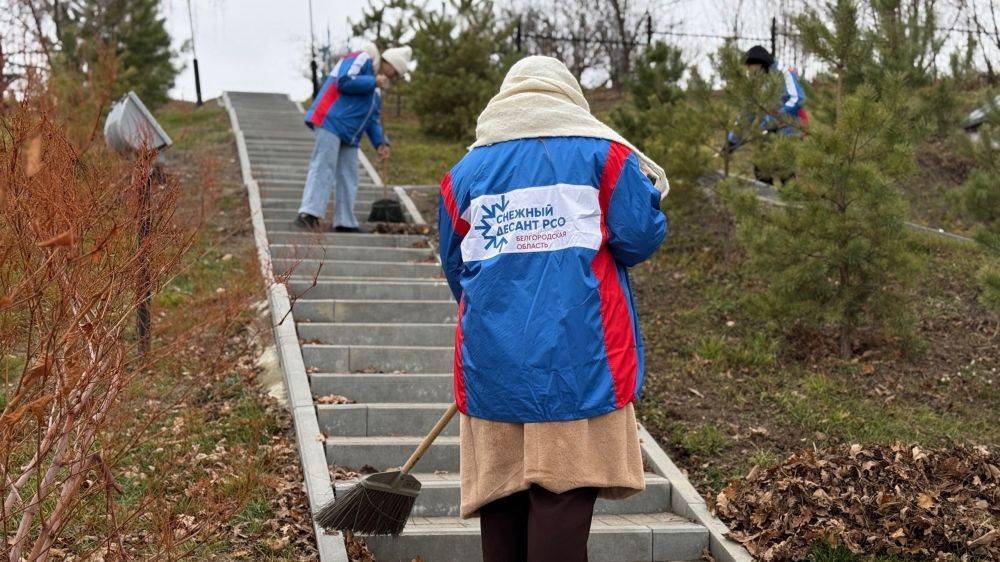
[399,58]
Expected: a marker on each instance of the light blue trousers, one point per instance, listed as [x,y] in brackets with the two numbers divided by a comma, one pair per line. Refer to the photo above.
[333,165]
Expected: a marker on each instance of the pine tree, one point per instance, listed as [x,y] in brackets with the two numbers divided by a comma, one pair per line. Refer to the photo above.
[905,41]
[653,85]
[835,253]
[834,36]
[462,54]
[134,29]
[659,119]
[981,195]
[385,22]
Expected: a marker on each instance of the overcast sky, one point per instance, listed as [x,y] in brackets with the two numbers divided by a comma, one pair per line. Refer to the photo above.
[255,45]
[263,45]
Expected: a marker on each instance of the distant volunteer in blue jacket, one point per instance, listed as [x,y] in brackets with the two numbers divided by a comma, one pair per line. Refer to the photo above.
[790,115]
[348,105]
[539,224]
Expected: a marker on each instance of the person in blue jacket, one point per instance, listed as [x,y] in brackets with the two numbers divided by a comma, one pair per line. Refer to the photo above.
[539,224]
[348,106]
[790,117]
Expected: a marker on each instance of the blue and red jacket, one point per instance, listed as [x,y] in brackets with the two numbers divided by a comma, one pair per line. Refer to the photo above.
[537,236]
[349,104]
[793,99]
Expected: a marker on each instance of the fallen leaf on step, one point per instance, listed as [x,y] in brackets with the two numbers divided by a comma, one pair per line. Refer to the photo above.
[333,399]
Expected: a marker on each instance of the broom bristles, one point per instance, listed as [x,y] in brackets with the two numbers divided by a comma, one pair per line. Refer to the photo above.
[367,512]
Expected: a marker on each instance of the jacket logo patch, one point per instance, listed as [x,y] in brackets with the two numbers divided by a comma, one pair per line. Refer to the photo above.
[533,219]
[493,235]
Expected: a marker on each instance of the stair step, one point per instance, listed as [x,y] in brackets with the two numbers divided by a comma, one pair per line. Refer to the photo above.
[363,182]
[272,184]
[385,387]
[429,289]
[385,453]
[269,183]
[353,253]
[365,196]
[378,358]
[440,496]
[439,335]
[293,190]
[288,216]
[384,419]
[347,268]
[265,135]
[613,538]
[293,203]
[289,235]
[376,311]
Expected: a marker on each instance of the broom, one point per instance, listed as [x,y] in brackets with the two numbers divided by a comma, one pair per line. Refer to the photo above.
[380,503]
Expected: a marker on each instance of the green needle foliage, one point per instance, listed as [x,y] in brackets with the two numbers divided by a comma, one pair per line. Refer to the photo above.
[833,35]
[735,104]
[981,195]
[384,22]
[462,54]
[136,32]
[659,118]
[835,254]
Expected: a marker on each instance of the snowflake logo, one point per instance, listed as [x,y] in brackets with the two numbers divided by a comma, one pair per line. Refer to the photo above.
[490,213]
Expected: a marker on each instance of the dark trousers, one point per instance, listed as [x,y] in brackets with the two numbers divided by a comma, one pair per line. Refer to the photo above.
[536,525]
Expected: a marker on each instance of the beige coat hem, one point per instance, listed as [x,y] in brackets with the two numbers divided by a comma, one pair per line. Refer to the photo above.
[499,458]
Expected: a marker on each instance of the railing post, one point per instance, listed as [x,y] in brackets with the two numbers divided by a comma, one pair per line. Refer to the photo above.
[517,37]
[774,36]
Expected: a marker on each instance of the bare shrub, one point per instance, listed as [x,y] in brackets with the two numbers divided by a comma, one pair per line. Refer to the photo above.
[73,270]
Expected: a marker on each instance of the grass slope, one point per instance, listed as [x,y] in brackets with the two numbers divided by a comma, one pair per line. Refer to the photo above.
[220,467]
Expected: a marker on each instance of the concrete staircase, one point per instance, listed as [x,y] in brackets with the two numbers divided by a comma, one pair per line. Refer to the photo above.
[375,323]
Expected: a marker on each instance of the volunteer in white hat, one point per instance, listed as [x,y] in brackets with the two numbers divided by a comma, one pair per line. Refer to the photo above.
[348,106]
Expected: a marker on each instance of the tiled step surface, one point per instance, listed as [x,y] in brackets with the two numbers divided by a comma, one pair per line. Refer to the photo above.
[439,496]
[396,334]
[385,453]
[378,358]
[375,322]
[369,288]
[416,388]
[613,538]
[359,268]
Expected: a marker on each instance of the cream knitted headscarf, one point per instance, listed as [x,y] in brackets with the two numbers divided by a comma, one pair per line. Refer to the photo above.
[540,97]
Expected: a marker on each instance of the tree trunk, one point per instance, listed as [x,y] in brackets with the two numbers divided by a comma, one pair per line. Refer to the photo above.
[846,320]
[845,340]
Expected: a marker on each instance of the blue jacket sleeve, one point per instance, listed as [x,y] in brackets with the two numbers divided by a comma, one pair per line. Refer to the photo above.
[794,94]
[374,128]
[450,243]
[359,77]
[636,226]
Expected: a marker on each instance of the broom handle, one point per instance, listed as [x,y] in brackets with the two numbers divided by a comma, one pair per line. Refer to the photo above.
[426,443]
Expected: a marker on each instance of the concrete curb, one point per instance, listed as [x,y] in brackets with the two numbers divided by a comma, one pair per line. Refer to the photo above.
[687,502]
[308,437]
[409,206]
[367,165]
